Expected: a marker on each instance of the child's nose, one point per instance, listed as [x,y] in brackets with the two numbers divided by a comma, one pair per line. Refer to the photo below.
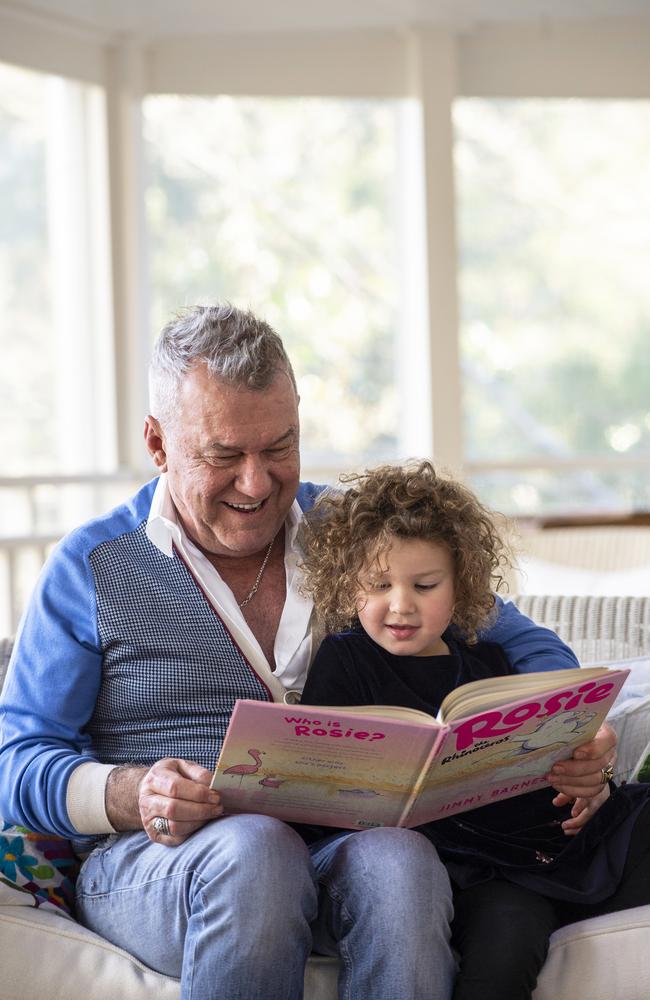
[402,602]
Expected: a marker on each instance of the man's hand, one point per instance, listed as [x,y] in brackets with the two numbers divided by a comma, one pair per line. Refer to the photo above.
[178,791]
[174,789]
[580,779]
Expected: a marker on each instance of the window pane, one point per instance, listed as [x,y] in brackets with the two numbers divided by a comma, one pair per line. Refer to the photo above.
[553,205]
[55,382]
[26,392]
[287,207]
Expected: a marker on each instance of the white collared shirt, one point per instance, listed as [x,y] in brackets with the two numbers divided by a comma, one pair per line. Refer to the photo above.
[293,642]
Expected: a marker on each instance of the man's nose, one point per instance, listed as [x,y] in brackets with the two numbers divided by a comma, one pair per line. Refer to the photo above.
[253,477]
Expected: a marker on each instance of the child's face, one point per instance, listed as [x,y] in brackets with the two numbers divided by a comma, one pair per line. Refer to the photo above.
[407,602]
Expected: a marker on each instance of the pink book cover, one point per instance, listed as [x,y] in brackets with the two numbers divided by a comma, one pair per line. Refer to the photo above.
[320,765]
[337,767]
[508,751]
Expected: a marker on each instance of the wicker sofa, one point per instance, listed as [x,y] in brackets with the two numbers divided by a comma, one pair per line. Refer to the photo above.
[43,952]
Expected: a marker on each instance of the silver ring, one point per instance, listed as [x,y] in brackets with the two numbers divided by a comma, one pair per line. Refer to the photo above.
[161,826]
[607,773]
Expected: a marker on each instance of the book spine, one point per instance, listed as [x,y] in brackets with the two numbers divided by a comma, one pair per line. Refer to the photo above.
[422,777]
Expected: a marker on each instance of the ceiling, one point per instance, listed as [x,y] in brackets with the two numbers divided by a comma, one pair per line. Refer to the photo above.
[162,18]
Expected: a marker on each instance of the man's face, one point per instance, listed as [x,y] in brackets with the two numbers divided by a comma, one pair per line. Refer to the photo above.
[232,460]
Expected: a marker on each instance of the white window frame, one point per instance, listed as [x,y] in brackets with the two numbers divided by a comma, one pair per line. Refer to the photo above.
[430,67]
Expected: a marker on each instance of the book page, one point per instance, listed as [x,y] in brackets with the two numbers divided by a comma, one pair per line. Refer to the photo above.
[478,696]
[379,711]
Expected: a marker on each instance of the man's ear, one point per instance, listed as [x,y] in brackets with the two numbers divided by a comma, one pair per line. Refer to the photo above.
[153,438]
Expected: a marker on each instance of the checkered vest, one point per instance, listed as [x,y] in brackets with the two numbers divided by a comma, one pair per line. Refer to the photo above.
[171,670]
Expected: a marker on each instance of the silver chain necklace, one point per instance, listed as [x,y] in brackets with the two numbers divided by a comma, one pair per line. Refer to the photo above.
[251,593]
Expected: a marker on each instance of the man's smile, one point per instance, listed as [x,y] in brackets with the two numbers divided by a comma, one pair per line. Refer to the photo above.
[245,508]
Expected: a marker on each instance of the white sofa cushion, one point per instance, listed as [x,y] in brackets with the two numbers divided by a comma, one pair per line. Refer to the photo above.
[600,959]
[537,576]
[44,954]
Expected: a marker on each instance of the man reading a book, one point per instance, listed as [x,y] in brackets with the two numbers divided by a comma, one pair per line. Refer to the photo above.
[146,625]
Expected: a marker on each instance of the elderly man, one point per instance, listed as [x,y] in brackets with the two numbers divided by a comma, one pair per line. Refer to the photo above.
[145,627]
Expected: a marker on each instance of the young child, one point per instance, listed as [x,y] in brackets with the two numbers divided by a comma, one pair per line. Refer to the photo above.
[402,565]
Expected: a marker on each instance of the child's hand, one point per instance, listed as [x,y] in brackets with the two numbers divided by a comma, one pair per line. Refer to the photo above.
[583,775]
[582,779]
[582,811]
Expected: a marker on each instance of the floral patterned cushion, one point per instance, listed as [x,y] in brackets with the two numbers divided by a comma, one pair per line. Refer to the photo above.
[40,866]
[36,869]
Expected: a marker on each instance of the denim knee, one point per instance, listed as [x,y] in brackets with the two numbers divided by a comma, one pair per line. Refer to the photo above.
[258,843]
[260,857]
[392,871]
[386,911]
[228,911]
[403,859]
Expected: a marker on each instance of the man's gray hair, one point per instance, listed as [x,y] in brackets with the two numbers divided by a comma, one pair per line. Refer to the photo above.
[234,344]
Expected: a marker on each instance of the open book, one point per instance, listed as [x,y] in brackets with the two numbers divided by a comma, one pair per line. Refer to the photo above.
[387,766]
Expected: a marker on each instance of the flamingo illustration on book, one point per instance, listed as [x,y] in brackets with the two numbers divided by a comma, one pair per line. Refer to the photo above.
[243,769]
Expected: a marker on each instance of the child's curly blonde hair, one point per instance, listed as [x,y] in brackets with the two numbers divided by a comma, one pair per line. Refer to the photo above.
[348,528]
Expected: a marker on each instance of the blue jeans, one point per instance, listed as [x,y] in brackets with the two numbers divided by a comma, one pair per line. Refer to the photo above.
[385,910]
[232,911]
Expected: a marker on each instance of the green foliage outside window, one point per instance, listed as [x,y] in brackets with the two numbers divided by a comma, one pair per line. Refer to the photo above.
[554,205]
[287,206]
